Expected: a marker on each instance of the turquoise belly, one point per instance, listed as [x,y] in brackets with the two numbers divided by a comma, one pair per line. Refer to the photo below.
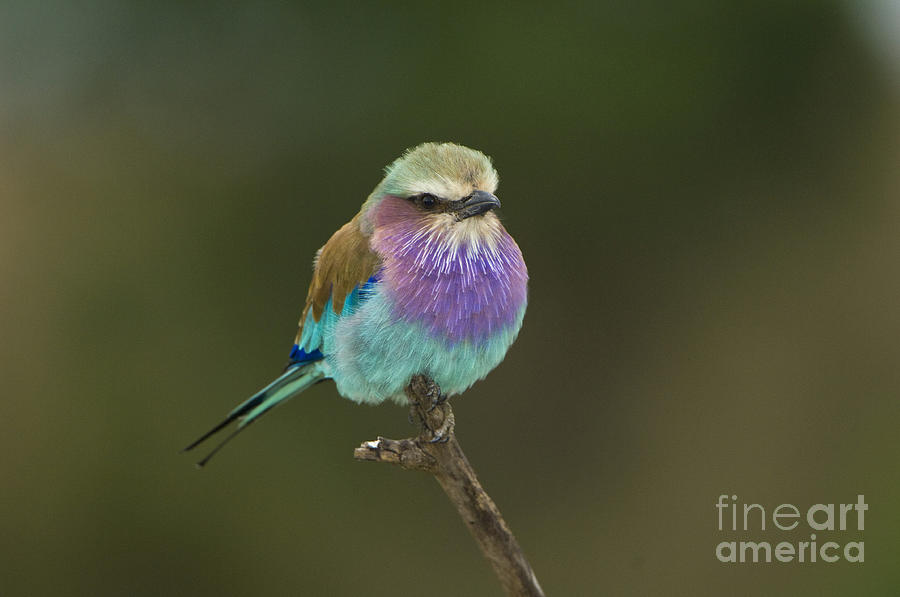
[371,355]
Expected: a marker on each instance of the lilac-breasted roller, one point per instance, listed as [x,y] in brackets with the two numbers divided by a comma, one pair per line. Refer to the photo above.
[423,280]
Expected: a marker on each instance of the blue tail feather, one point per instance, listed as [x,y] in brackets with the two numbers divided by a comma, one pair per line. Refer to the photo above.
[290,383]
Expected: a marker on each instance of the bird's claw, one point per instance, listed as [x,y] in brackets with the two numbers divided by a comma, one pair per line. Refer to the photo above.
[437,401]
[425,398]
[441,427]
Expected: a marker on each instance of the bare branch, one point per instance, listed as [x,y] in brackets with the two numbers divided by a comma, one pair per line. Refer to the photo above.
[436,451]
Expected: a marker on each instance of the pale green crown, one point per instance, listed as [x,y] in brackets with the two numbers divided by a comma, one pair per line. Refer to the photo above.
[445,170]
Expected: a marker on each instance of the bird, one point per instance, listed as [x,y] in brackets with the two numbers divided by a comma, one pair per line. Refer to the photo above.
[424,279]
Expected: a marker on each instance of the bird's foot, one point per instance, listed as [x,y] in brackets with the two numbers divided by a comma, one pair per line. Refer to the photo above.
[431,393]
[439,439]
[441,428]
[429,406]
[436,401]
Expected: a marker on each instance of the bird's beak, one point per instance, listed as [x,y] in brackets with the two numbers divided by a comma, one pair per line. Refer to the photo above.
[478,202]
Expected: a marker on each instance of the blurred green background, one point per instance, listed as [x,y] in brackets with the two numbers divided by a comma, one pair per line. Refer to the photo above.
[707,197]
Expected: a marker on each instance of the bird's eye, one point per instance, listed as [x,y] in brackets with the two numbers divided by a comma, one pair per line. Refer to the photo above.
[428,201]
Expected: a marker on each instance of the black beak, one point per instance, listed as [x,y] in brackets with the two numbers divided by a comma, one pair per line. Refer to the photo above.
[478,202]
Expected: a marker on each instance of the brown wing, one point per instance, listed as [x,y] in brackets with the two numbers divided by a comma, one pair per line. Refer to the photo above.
[344,263]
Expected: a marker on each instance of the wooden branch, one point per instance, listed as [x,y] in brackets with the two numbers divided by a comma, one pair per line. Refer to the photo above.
[436,451]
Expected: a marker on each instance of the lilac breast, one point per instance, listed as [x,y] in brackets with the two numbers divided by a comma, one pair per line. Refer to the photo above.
[461,290]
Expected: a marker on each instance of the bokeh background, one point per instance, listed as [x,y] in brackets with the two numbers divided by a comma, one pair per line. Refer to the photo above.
[707,197]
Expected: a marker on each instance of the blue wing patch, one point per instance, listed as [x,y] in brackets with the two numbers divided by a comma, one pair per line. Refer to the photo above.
[300,356]
[310,347]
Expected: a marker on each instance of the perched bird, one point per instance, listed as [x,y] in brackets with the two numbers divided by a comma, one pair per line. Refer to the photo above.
[423,280]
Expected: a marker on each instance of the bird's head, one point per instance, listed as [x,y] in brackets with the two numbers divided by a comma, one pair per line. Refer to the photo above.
[441,187]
